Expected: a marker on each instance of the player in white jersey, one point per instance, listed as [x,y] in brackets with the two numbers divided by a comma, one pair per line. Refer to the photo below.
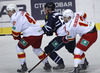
[76,24]
[32,35]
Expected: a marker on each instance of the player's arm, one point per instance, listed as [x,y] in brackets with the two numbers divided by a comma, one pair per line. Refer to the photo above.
[70,34]
[48,27]
[66,39]
[16,31]
[16,35]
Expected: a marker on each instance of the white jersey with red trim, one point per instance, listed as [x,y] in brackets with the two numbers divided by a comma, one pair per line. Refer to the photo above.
[78,25]
[23,22]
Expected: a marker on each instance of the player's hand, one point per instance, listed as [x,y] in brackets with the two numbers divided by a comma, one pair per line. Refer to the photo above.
[17,38]
[47,32]
[50,33]
[65,40]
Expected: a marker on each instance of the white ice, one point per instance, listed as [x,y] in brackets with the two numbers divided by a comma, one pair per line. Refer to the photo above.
[9,62]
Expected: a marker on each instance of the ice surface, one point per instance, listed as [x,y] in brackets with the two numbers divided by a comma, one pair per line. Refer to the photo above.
[9,62]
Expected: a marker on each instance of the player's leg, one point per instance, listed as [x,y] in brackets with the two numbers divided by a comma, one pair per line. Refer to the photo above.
[78,56]
[54,56]
[84,43]
[23,44]
[40,53]
[70,46]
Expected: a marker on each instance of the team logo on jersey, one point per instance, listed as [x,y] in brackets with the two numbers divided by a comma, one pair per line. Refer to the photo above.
[39,30]
[90,24]
[84,42]
[13,28]
[23,42]
[55,43]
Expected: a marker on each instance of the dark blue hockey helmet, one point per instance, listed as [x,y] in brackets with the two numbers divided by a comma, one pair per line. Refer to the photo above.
[50,5]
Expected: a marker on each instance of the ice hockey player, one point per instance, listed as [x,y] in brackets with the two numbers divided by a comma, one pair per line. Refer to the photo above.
[32,36]
[76,24]
[54,23]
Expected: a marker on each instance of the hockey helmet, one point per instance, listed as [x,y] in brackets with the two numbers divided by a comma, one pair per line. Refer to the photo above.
[11,7]
[50,5]
[68,13]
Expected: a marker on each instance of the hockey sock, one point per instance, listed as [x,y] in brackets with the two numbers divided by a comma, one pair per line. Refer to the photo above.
[78,55]
[83,58]
[21,55]
[57,59]
[39,52]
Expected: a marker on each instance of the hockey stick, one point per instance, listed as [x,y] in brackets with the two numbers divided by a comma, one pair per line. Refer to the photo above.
[44,58]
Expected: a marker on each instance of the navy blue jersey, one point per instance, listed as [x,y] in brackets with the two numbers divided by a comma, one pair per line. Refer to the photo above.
[52,22]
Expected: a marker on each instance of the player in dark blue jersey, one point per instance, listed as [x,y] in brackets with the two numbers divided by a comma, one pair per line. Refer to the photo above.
[53,19]
[54,23]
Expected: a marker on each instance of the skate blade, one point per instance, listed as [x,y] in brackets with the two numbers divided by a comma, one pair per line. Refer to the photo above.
[60,70]
[24,72]
[48,70]
[81,71]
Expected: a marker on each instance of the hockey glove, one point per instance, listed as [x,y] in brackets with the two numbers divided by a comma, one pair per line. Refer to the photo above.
[47,31]
[50,33]
[65,40]
[17,38]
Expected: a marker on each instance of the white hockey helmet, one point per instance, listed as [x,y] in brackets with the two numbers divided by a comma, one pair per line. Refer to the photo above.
[68,13]
[11,7]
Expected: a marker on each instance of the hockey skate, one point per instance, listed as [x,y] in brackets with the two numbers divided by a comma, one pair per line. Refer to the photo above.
[23,69]
[59,66]
[47,67]
[86,62]
[85,65]
[76,70]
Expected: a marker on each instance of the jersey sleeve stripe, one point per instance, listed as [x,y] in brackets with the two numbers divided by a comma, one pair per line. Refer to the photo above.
[15,33]
[84,15]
